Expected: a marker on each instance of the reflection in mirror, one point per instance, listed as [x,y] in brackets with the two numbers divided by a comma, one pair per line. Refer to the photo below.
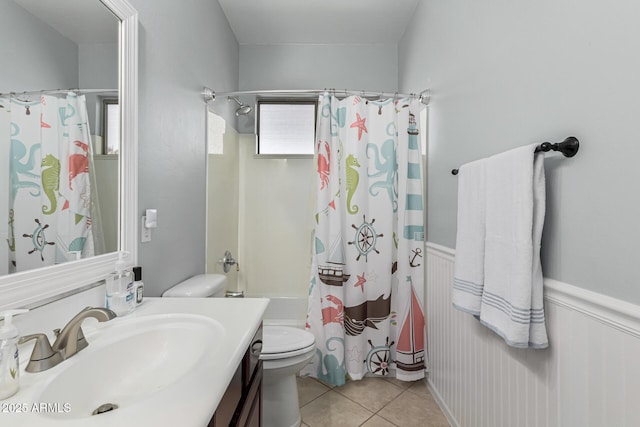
[111,121]
[58,193]
[65,68]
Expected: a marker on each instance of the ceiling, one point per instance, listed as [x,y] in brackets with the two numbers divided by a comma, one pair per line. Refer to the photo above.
[318,21]
[252,21]
[84,22]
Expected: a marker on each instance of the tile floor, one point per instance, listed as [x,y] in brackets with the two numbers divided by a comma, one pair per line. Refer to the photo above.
[371,402]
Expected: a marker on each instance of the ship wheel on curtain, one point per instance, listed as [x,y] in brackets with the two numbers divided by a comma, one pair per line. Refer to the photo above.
[379,358]
[365,238]
[39,239]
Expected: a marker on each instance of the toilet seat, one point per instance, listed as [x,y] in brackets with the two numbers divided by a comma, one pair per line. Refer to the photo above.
[284,341]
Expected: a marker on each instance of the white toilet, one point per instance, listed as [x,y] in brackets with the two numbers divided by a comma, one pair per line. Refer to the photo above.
[285,350]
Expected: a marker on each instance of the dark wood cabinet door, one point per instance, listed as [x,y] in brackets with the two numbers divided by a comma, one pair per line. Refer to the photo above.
[249,411]
[241,405]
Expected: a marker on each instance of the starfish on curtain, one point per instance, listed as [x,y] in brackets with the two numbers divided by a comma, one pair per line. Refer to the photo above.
[360,124]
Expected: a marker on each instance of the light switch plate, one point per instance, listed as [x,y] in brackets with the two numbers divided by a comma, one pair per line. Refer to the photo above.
[151,218]
[145,233]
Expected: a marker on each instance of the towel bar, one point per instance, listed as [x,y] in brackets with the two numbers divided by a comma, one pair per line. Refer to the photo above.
[569,147]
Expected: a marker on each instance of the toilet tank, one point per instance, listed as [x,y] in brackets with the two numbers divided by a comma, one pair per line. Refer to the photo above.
[200,286]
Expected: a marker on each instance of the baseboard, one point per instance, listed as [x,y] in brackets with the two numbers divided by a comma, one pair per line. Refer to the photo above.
[442,404]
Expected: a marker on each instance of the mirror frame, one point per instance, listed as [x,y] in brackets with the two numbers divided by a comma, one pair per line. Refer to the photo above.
[36,287]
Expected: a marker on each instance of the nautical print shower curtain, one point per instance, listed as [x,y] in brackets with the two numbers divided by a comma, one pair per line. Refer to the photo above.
[46,192]
[366,287]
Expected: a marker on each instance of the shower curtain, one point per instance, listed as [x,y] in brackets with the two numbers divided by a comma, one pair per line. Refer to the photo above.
[45,182]
[366,286]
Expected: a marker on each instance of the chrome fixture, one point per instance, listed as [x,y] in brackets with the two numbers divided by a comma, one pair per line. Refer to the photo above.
[227,261]
[68,342]
[234,294]
[209,95]
[243,109]
[70,339]
[42,357]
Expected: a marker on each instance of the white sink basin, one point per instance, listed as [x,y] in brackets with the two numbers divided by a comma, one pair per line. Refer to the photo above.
[168,363]
[129,361]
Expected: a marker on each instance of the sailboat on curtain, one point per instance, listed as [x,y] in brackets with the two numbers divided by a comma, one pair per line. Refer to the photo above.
[410,350]
[332,272]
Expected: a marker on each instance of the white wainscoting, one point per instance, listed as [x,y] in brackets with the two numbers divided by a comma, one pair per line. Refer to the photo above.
[589,376]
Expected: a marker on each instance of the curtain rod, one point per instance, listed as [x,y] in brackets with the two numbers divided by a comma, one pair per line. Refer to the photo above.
[57,91]
[210,95]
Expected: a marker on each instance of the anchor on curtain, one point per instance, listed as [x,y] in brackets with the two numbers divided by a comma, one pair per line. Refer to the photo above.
[44,184]
[366,286]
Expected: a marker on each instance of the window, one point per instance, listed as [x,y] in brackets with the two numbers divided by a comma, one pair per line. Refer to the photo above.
[111,125]
[286,127]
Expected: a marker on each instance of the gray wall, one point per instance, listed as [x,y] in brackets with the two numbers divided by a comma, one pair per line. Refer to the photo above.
[305,66]
[184,46]
[505,74]
[309,66]
[98,69]
[34,55]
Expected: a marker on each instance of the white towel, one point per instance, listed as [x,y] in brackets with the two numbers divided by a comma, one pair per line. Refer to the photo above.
[512,299]
[470,239]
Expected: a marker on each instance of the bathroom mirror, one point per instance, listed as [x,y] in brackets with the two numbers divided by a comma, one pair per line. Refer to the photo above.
[37,286]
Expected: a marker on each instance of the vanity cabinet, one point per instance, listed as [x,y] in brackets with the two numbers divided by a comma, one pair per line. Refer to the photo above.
[241,405]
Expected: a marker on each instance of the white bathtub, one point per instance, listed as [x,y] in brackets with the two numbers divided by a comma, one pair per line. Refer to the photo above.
[288,311]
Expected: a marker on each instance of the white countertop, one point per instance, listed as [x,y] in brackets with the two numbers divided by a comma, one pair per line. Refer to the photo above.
[199,395]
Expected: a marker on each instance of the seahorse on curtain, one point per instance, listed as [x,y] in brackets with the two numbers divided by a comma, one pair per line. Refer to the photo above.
[353,177]
[50,182]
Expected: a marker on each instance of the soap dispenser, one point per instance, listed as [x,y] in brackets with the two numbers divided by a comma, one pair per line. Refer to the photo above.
[120,292]
[138,285]
[9,364]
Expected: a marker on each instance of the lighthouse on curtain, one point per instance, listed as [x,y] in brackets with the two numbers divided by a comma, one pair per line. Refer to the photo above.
[410,349]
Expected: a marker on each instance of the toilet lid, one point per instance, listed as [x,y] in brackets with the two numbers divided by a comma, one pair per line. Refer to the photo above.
[199,286]
[284,339]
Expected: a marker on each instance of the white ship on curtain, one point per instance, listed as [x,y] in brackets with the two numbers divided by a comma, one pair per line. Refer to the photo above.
[366,288]
[46,205]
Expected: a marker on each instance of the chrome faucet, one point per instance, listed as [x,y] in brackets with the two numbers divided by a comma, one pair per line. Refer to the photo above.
[70,339]
[42,357]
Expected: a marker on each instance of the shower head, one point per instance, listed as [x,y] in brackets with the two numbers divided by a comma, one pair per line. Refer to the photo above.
[243,109]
